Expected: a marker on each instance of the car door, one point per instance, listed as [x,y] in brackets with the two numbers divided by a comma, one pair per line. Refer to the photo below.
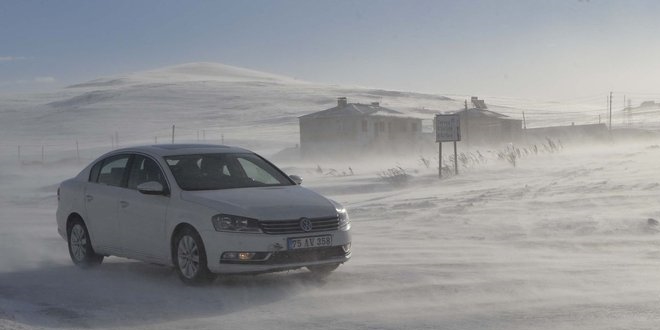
[102,200]
[142,217]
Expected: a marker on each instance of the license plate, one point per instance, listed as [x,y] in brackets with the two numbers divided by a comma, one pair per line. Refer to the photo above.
[310,242]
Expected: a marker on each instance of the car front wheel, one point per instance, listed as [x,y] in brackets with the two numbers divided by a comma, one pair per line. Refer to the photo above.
[80,245]
[190,257]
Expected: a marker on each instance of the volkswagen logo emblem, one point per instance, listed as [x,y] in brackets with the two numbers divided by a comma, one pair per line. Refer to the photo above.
[306,224]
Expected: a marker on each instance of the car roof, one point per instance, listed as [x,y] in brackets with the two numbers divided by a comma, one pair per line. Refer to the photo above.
[182,149]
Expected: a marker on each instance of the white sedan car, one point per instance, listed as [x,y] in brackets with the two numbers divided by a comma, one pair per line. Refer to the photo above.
[204,209]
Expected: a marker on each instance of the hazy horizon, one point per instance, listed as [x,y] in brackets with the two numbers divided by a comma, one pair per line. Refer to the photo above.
[560,50]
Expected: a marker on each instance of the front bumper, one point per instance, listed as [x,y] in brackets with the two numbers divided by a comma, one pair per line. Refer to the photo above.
[272,252]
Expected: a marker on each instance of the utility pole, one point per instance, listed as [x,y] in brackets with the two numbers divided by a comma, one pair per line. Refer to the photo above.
[629,111]
[524,127]
[172,134]
[610,112]
[467,126]
[623,121]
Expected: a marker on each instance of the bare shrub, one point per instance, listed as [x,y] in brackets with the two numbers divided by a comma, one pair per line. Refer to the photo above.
[425,161]
[512,157]
[395,175]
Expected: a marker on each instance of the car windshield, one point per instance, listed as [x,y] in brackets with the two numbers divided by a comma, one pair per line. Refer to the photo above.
[224,171]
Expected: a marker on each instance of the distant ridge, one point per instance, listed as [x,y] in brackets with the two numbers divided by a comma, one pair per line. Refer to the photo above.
[188,72]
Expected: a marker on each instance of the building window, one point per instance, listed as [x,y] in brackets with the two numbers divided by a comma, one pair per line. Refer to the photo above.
[414,127]
[381,125]
[365,127]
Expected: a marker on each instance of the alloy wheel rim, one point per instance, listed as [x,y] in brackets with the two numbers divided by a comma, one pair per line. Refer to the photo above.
[188,256]
[78,242]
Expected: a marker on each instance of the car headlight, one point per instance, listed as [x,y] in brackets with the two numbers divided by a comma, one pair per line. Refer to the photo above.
[344,220]
[233,223]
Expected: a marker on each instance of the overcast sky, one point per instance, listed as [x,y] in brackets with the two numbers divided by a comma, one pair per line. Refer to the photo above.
[556,49]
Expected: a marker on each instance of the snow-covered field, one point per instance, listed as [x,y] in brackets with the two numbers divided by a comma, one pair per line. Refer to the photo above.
[561,241]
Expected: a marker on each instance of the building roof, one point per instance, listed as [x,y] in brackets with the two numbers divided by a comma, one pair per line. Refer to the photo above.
[480,109]
[355,109]
[474,112]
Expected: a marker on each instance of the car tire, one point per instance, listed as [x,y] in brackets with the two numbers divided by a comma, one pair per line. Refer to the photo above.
[80,245]
[189,257]
[322,270]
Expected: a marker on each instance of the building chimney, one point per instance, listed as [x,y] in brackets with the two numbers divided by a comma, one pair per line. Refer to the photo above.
[479,104]
[375,104]
[342,102]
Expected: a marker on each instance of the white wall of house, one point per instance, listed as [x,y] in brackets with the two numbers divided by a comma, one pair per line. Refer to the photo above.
[356,135]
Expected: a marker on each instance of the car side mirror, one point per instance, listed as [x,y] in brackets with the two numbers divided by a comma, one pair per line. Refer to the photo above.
[298,180]
[151,188]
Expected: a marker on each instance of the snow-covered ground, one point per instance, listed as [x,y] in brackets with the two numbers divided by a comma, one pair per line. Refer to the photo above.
[561,241]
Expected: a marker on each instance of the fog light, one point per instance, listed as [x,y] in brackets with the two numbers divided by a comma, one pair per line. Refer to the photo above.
[245,255]
[346,248]
[241,256]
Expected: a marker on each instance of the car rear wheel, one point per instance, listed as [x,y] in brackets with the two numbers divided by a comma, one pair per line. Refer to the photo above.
[190,257]
[80,245]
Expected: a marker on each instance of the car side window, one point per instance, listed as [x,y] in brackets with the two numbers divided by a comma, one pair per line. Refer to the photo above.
[143,170]
[113,169]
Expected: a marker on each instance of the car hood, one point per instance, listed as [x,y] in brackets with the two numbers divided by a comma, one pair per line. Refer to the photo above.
[264,203]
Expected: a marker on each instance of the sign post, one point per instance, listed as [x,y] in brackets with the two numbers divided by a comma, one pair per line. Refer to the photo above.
[447,129]
[440,159]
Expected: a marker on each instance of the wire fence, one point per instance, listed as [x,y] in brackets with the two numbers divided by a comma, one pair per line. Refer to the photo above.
[63,150]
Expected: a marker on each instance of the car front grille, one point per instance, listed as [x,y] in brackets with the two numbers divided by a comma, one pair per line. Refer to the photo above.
[293,226]
[310,255]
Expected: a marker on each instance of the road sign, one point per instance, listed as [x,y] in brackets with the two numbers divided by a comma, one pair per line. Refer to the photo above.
[447,128]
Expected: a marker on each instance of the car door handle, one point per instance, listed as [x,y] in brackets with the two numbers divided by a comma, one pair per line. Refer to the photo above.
[89,198]
[123,204]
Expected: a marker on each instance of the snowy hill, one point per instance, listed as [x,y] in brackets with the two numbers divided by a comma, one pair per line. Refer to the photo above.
[201,71]
[220,103]
[204,100]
